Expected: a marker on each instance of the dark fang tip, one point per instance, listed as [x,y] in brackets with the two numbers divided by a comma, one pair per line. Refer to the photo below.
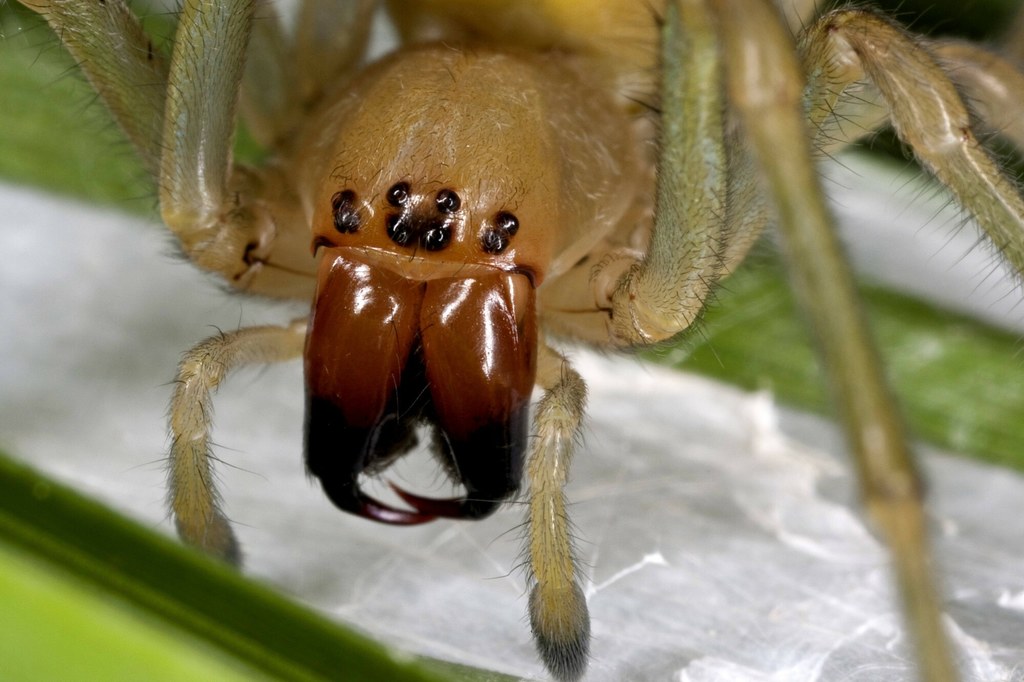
[449,508]
[378,511]
[561,632]
[348,497]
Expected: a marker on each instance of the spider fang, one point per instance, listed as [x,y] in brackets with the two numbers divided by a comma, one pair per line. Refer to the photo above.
[385,352]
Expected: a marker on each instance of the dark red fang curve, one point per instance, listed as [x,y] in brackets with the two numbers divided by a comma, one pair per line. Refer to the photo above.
[448,508]
[378,511]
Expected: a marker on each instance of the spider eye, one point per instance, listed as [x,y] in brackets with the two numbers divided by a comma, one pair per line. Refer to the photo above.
[398,194]
[437,238]
[346,217]
[448,201]
[496,239]
[507,221]
[399,229]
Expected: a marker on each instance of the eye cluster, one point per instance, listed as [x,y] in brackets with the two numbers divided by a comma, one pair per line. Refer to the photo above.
[428,223]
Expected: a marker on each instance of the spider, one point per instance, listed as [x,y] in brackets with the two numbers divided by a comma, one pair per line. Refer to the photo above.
[492,183]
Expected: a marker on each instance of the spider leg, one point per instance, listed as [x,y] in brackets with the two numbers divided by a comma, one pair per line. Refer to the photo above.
[993,86]
[204,199]
[709,206]
[663,294]
[287,72]
[180,116]
[121,63]
[842,111]
[763,80]
[193,495]
[838,117]
[799,14]
[927,112]
[1012,42]
[558,610]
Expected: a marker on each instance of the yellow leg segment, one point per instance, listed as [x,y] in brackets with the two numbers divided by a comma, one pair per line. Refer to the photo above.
[558,609]
[193,495]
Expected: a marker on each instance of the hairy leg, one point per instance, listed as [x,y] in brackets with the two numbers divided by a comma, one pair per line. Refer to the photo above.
[180,117]
[850,46]
[288,71]
[193,495]
[663,294]
[765,84]
[121,63]
[991,84]
[558,609]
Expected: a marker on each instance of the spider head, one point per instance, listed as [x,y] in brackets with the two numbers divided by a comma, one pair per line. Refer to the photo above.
[433,231]
[425,314]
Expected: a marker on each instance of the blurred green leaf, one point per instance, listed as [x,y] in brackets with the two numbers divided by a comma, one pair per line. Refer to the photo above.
[961,382]
[63,553]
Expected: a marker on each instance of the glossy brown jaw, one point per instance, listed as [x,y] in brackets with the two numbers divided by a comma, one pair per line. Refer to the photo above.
[385,353]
